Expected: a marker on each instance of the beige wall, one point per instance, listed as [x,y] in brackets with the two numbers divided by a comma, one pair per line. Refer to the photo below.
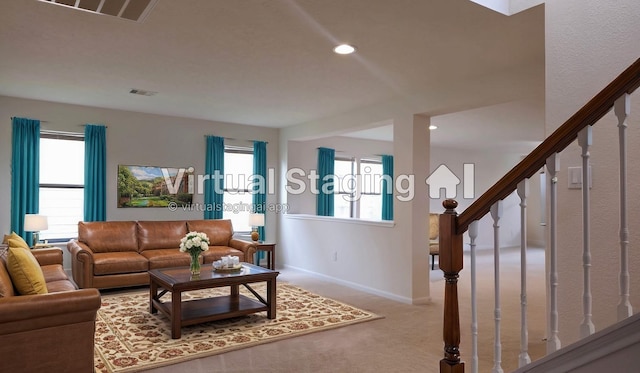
[588,43]
[489,167]
[404,244]
[137,139]
[389,259]
[304,155]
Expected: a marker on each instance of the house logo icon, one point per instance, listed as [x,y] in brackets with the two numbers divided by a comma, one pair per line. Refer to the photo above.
[444,178]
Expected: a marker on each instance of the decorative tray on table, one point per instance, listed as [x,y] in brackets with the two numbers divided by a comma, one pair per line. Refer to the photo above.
[228,269]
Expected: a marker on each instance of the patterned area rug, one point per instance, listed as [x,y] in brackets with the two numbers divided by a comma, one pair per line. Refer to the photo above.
[129,338]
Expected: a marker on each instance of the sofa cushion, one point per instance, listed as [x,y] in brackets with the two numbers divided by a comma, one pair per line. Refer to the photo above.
[112,236]
[61,285]
[53,272]
[25,272]
[6,285]
[122,262]
[219,231]
[154,235]
[166,258]
[216,252]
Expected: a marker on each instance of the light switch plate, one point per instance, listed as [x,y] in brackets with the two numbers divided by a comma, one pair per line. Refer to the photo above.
[575,177]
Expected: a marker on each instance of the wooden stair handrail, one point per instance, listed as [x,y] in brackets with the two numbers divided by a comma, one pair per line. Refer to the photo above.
[453,226]
[627,82]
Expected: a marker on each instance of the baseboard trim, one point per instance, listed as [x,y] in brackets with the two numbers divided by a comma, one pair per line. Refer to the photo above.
[362,288]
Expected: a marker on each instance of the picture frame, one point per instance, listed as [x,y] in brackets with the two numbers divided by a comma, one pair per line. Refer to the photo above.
[152,186]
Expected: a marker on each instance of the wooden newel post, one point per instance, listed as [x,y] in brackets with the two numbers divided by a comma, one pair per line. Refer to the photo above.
[451,264]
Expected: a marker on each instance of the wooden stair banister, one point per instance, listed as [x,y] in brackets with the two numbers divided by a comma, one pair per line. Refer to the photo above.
[453,226]
[627,82]
[450,262]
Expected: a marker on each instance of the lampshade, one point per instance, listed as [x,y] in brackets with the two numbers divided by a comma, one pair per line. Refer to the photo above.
[35,223]
[256,220]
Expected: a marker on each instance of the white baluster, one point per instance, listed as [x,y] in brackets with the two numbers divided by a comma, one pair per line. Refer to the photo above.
[473,234]
[587,328]
[622,108]
[496,213]
[553,166]
[523,193]
[99,10]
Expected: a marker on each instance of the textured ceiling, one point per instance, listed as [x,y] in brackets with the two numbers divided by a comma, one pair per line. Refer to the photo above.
[260,62]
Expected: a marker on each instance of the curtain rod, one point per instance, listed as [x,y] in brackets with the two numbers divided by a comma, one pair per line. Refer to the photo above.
[335,150]
[41,121]
[234,139]
[46,121]
[86,124]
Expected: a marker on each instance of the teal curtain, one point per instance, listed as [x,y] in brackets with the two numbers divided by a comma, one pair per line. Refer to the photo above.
[25,173]
[326,166]
[95,173]
[260,186]
[387,187]
[214,186]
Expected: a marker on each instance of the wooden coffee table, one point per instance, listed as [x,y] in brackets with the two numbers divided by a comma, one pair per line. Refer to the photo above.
[179,280]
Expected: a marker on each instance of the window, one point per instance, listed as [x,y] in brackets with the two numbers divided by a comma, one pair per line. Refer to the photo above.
[358,195]
[344,188]
[371,198]
[61,184]
[238,199]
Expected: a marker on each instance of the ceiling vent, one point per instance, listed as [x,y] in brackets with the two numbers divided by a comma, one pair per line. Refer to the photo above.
[142,92]
[133,10]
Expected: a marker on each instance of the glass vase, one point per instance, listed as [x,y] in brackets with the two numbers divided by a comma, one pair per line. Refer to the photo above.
[195,263]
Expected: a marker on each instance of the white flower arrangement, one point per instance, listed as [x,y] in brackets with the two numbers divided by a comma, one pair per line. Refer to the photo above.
[194,242]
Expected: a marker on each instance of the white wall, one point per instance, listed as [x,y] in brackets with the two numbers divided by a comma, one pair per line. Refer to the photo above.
[489,167]
[588,43]
[389,259]
[356,253]
[404,244]
[135,139]
[304,155]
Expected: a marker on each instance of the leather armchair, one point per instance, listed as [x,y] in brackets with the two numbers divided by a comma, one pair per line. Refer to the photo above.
[50,332]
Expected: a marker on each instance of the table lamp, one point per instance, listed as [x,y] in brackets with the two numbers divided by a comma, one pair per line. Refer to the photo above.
[35,223]
[255,221]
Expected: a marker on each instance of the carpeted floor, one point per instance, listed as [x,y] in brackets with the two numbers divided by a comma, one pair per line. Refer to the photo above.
[409,338]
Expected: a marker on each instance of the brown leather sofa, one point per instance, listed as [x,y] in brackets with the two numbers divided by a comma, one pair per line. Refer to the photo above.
[50,332]
[119,253]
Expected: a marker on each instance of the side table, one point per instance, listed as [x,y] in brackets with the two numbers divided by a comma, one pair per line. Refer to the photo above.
[42,246]
[270,248]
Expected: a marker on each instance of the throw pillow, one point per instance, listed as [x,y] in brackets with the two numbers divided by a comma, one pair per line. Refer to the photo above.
[25,272]
[6,286]
[16,241]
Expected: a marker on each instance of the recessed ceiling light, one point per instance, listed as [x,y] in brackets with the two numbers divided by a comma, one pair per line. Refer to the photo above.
[344,49]
[433,127]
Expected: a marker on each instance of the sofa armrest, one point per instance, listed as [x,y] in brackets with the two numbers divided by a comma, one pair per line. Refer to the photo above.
[81,263]
[58,327]
[25,313]
[47,257]
[247,247]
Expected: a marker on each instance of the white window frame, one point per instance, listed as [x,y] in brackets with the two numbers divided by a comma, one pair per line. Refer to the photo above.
[362,192]
[237,150]
[354,204]
[337,187]
[61,136]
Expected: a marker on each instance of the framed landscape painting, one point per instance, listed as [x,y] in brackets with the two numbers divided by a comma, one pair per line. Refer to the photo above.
[150,186]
